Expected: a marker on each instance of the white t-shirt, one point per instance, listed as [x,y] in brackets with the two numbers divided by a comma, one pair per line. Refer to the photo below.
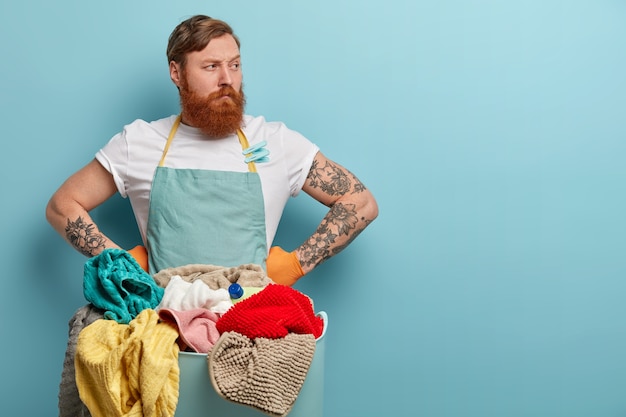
[132,156]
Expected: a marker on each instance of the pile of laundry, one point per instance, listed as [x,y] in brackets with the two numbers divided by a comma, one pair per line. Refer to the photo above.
[125,343]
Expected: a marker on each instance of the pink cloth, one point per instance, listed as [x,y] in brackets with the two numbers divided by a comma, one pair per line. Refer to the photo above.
[196,328]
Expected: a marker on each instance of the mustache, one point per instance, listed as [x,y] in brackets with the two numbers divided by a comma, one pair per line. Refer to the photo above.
[227,91]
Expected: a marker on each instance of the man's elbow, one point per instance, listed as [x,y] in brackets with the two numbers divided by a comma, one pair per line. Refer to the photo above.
[52,210]
[370,207]
[58,209]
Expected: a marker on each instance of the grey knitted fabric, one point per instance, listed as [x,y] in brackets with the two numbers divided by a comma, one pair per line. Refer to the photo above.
[216,277]
[266,374]
[70,404]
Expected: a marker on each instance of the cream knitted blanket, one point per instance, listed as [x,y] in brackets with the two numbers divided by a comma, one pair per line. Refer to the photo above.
[216,277]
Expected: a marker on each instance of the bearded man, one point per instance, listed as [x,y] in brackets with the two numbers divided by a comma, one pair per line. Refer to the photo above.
[208,186]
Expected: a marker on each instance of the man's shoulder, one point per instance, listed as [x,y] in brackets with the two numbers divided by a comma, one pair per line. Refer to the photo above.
[141,126]
[258,124]
[164,122]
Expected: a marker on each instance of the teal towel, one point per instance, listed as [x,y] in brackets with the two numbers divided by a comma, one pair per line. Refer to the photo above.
[114,282]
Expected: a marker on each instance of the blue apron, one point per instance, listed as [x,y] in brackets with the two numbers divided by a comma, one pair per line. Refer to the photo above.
[201,216]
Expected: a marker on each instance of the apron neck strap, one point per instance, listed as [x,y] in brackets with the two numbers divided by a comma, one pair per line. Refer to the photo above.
[242,140]
[169,138]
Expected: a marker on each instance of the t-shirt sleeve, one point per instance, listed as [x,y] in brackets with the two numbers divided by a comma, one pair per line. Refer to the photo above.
[114,158]
[301,152]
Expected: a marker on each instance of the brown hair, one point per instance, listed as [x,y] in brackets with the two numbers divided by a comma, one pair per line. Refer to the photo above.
[194,34]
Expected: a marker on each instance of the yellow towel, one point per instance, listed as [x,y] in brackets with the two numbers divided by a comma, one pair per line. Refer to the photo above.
[128,370]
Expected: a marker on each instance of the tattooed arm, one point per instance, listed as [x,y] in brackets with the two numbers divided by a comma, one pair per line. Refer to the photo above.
[68,209]
[352,209]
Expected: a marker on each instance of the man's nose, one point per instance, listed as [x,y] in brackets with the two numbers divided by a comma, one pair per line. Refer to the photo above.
[225,76]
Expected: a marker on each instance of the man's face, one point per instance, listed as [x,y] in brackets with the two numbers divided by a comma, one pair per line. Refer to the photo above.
[210,87]
[216,66]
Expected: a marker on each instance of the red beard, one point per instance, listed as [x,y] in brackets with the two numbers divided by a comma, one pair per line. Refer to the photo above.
[215,115]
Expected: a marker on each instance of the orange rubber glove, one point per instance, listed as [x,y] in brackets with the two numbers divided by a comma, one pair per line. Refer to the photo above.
[283,267]
[141,256]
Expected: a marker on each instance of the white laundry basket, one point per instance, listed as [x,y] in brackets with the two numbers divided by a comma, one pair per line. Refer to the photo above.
[197,397]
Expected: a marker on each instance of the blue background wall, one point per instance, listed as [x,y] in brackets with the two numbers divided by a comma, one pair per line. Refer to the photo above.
[492,133]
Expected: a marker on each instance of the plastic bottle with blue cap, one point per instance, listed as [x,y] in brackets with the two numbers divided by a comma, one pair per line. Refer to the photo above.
[238,293]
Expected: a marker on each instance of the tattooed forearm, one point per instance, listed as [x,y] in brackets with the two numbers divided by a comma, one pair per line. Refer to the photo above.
[333,180]
[84,236]
[337,230]
[357,231]
[352,208]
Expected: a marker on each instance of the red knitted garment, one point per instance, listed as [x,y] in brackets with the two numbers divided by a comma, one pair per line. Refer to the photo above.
[272,313]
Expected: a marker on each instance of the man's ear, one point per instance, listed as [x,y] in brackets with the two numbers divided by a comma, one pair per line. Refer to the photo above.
[175,73]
